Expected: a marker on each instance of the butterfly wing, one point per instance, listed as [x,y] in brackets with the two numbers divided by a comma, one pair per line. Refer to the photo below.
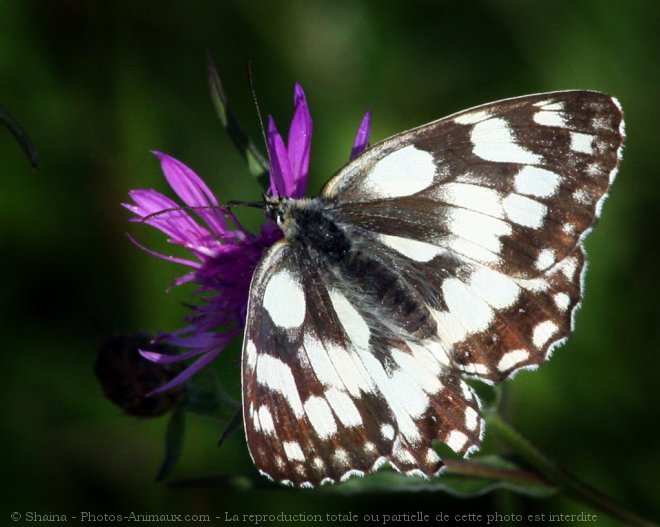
[492,204]
[330,392]
[501,184]
[483,214]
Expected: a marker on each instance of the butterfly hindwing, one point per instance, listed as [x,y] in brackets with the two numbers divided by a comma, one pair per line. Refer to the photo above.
[294,370]
[487,324]
[332,393]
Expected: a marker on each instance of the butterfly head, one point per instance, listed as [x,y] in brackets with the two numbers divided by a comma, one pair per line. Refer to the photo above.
[288,213]
[280,210]
[275,209]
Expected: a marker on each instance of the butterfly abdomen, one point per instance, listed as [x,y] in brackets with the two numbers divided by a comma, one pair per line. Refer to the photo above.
[387,294]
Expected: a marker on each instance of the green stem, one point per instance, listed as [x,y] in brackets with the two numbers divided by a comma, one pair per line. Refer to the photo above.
[560,477]
[221,395]
[474,469]
[20,135]
[257,163]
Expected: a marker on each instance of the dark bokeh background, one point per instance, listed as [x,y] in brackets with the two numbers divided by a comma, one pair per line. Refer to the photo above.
[99,84]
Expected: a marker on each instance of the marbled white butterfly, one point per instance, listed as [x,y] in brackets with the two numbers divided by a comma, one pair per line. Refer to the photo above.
[448,251]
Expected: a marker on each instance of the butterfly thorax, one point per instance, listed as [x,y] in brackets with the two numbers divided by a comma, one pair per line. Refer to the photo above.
[374,283]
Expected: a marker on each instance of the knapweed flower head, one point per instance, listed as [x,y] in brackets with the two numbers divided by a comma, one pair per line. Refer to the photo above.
[127,379]
[224,254]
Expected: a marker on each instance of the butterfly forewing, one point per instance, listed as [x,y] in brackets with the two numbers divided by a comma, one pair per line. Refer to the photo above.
[511,189]
[512,184]
[454,249]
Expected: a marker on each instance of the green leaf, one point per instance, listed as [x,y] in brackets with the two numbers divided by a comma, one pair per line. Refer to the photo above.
[235,422]
[463,479]
[20,134]
[560,477]
[228,481]
[201,401]
[214,404]
[173,442]
[256,161]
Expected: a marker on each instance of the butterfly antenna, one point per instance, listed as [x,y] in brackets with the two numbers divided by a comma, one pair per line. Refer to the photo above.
[182,208]
[224,208]
[256,105]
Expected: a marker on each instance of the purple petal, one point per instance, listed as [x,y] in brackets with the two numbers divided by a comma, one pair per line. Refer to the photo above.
[280,169]
[362,138]
[163,358]
[299,144]
[269,234]
[148,201]
[201,340]
[183,261]
[192,190]
[191,370]
[185,279]
[175,223]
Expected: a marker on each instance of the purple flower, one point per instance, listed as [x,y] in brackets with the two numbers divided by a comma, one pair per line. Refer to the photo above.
[224,254]
[290,163]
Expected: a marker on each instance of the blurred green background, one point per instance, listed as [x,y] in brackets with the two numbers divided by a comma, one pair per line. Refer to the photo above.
[99,84]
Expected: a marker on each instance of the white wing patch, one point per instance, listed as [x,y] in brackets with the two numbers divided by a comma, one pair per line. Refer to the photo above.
[582,143]
[277,376]
[413,249]
[355,326]
[321,364]
[524,211]
[344,407]
[387,431]
[421,370]
[284,300]
[512,359]
[536,181]
[543,332]
[351,370]
[477,198]
[471,418]
[401,173]
[545,259]
[320,416]
[266,420]
[549,118]
[495,288]
[493,140]
[293,451]
[472,117]
[467,312]
[482,231]
[456,440]
[562,301]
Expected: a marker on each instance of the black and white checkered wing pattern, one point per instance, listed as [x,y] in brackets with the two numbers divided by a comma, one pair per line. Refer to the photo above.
[329,392]
[451,250]
[488,210]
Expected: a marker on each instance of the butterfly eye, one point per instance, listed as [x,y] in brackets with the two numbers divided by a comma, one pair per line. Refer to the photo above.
[273,213]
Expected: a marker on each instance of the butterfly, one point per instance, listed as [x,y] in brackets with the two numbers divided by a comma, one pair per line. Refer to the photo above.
[450,251]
